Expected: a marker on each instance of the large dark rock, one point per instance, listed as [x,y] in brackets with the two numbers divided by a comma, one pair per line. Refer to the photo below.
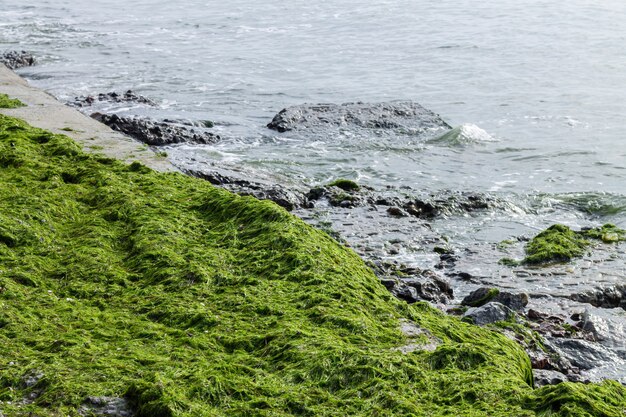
[156,133]
[404,115]
[17,59]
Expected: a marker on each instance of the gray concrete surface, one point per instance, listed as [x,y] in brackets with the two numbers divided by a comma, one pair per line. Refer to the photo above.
[44,111]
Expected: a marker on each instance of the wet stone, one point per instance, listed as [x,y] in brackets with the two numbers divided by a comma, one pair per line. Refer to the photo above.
[155,133]
[581,353]
[17,59]
[488,314]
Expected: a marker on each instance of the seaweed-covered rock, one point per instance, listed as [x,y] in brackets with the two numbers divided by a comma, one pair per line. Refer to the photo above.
[17,59]
[155,133]
[405,115]
[559,243]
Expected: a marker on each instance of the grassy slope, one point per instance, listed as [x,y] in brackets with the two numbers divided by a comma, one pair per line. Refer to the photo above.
[117,280]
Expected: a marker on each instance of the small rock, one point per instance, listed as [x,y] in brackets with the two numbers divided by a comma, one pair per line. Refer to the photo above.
[489,313]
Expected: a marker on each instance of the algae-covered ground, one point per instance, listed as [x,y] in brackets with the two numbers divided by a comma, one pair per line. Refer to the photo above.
[7,102]
[190,301]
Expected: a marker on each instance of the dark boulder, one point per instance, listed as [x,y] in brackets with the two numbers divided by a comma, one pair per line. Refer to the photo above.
[17,59]
[155,133]
[404,115]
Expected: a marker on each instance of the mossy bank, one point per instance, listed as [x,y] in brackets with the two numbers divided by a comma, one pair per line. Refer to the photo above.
[187,300]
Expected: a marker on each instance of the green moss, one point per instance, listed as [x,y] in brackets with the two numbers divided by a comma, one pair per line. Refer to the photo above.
[346,185]
[559,243]
[9,103]
[116,280]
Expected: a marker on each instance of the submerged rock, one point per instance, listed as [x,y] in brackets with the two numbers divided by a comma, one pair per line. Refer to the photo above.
[155,133]
[17,59]
[405,115]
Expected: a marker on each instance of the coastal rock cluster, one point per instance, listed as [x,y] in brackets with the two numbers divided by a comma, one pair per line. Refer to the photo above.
[17,59]
[156,133]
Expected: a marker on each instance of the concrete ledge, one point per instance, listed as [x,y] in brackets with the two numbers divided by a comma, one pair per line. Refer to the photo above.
[44,111]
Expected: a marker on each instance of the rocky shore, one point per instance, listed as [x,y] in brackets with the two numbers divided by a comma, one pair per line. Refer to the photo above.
[118,283]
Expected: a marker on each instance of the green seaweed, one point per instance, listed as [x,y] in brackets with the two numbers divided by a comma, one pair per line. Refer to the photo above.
[344,184]
[9,103]
[559,243]
[116,280]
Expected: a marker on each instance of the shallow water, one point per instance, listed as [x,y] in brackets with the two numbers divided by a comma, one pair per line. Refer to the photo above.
[538,86]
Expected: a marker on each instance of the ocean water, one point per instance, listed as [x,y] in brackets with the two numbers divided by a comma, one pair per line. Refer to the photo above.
[539,88]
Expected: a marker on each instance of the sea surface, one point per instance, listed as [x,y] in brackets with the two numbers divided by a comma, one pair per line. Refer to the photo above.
[543,82]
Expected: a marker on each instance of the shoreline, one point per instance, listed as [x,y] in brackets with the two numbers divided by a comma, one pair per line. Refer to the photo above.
[46,112]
